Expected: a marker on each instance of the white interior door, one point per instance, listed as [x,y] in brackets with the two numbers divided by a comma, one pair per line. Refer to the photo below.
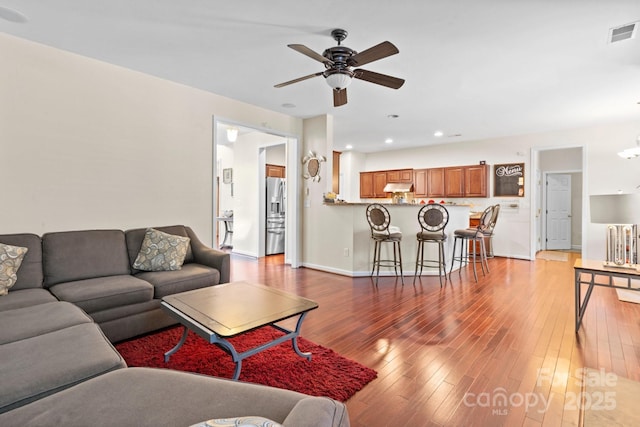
[558,211]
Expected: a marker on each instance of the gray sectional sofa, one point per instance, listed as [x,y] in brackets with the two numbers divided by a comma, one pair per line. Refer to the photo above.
[76,293]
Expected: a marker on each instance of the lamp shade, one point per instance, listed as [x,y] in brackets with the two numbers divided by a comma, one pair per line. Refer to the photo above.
[615,208]
[338,80]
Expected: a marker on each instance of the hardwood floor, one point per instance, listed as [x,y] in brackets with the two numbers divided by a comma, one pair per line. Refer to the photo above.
[500,352]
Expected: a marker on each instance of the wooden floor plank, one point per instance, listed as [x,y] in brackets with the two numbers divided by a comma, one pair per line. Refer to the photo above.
[440,351]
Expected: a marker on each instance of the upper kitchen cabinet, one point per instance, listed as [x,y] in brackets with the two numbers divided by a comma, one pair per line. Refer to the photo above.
[435,182]
[475,181]
[420,184]
[379,182]
[454,181]
[400,175]
[372,183]
[276,171]
[366,185]
[429,182]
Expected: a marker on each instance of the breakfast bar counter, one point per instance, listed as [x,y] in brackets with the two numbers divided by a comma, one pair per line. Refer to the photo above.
[348,248]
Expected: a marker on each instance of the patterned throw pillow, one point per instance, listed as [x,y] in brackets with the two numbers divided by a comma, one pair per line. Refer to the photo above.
[238,422]
[10,259]
[161,251]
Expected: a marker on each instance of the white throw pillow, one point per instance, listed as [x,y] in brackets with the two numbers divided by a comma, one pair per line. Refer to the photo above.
[10,260]
[161,251]
[239,422]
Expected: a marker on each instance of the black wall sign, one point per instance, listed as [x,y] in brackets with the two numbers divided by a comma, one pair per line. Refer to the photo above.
[508,180]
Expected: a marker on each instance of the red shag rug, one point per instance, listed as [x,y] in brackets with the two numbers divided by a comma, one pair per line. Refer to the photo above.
[326,374]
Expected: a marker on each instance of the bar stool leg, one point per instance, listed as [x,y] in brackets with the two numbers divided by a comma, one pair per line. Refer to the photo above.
[400,263]
[484,251]
[475,273]
[453,257]
[418,258]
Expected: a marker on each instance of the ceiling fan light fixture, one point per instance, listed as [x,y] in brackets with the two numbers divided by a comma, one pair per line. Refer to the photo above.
[338,80]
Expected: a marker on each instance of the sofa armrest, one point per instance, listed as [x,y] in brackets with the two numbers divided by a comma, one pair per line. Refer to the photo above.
[202,254]
[318,411]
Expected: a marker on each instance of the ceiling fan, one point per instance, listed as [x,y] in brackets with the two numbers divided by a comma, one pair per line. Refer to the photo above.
[340,60]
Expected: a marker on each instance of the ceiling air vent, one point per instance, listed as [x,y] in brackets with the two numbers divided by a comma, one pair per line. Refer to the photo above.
[625,32]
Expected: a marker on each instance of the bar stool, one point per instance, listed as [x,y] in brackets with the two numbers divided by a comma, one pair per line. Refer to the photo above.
[489,231]
[473,236]
[383,232]
[433,218]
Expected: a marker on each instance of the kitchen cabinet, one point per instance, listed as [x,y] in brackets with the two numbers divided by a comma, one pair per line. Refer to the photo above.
[454,181]
[379,182]
[366,185]
[400,176]
[372,183]
[475,181]
[420,183]
[435,182]
[275,171]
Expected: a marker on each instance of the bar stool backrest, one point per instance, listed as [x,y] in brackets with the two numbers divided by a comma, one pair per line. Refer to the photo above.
[433,217]
[494,216]
[378,217]
[485,219]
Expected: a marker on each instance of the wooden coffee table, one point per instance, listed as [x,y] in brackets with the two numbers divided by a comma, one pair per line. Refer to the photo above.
[224,311]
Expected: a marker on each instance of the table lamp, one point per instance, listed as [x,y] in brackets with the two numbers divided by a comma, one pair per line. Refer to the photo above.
[621,213]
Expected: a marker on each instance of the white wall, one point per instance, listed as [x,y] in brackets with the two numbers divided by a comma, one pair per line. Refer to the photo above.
[87,144]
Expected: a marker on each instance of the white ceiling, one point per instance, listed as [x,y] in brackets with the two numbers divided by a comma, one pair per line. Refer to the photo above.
[473,68]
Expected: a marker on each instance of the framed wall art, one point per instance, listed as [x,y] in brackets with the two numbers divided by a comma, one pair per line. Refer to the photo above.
[227,176]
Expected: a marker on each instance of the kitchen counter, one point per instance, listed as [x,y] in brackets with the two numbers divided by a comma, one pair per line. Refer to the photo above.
[350,250]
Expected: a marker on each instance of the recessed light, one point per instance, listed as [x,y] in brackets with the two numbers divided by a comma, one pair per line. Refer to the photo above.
[288,105]
[348,147]
[392,116]
[388,141]
[438,133]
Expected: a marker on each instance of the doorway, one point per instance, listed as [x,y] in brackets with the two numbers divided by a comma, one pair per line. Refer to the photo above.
[556,218]
[242,162]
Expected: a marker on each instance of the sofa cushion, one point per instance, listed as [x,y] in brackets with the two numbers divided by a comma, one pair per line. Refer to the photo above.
[27,322]
[10,261]
[191,276]
[102,293]
[25,298]
[46,364]
[161,251]
[136,236]
[154,397]
[77,255]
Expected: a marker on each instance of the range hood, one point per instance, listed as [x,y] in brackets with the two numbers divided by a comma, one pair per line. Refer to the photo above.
[399,187]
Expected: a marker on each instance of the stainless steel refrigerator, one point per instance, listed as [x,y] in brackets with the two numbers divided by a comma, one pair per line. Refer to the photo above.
[275,224]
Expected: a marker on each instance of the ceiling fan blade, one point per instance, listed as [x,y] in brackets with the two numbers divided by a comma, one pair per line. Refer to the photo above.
[374,53]
[310,53]
[379,79]
[299,79]
[339,97]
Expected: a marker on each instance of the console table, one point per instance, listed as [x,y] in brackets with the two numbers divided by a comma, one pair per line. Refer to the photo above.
[593,269]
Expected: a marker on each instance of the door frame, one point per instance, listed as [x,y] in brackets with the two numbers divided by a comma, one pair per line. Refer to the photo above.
[536,231]
[293,240]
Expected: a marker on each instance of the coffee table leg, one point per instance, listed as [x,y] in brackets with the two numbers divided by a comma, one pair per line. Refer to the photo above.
[294,340]
[168,354]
